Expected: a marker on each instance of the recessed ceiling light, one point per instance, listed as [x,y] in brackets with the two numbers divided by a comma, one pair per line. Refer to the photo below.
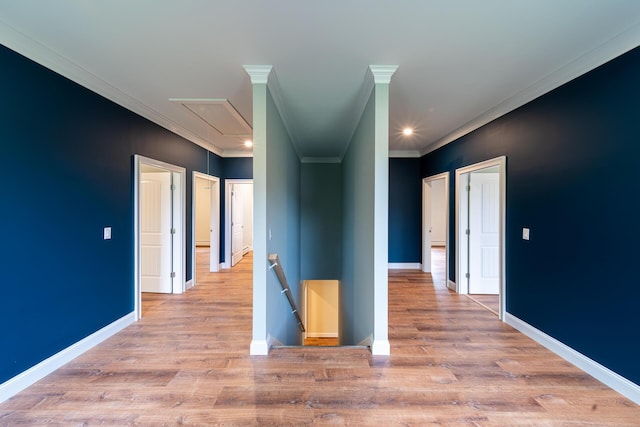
[248,143]
[407,131]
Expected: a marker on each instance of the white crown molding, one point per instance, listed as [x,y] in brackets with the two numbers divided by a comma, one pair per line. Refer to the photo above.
[614,47]
[382,73]
[265,74]
[259,73]
[236,153]
[45,56]
[402,154]
[363,99]
[276,94]
[321,160]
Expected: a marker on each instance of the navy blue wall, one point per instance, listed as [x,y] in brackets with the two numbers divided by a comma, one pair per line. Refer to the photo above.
[67,162]
[405,200]
[571,178]
[321,221]
[228,168]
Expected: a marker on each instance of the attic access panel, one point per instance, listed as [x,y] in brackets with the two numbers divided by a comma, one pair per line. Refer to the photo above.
[219,114]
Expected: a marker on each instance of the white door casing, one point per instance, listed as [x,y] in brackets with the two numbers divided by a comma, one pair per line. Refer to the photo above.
[427,222]
[177,211]
[499,165]
[155,232]
[484,237]
[426,227]
[214,230]
[237,229]
[228,184]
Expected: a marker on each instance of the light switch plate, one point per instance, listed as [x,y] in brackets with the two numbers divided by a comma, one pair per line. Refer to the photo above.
[106,235]
[525,234]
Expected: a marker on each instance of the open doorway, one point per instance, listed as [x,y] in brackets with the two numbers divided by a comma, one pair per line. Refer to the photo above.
[480,225]
[159,229]
[238,220]
[435,228]
[206,225]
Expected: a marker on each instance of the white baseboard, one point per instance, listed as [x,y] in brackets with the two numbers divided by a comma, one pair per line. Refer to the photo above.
[322,335]
[380,348]
[405,266]
[189,284]
[259,348]
[225,265]
[47,366]
[617,382]
[451,285]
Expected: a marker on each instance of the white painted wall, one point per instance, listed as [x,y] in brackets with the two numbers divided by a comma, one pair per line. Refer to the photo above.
[246,195]
[322,308]
[202,211]
[438,213]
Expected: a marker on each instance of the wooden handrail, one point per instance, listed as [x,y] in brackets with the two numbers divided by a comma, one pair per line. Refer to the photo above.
[277,268]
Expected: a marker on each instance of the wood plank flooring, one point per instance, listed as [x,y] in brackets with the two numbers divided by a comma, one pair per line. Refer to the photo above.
[186,363]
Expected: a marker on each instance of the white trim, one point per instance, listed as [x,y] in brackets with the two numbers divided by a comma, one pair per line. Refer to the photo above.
[23,380]
[451,285]
[382,73]
[190,284]
[380,348]
[259,348]
[322,335]
[404,154]
[447,202]
[259,73]
[214,180]
[236,153]
[614,47]
[177,287]
[603,374]
[227,217]
[45,56]
[321,160]
[405,265]
[501,162]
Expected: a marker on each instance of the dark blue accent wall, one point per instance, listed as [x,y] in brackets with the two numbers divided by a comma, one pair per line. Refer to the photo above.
[571,178]
[67,164]
[405,199]
[228,168]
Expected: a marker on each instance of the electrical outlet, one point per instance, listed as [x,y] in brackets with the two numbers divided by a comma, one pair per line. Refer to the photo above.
[525,234]
[106,234]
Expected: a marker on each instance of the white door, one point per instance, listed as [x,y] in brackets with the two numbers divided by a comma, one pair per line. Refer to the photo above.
[155,232]
[484,234]
[426,227]
[237,233]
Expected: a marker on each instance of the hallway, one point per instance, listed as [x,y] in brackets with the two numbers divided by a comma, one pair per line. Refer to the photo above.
[186,363]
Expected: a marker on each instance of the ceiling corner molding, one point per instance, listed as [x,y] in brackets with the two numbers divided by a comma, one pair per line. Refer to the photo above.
[382,73]
[48,58]
[259,73]
[623,42]
[236,153]
[404,154]
[321,160]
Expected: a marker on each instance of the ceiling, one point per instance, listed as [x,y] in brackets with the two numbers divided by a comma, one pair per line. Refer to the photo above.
[461,63]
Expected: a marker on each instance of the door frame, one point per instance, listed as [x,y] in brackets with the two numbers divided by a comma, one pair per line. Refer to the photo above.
[178,204]
[214,221]
[427,201]
[227,217]
[461,285]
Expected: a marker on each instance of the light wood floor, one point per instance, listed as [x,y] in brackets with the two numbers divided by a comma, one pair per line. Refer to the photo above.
[186,363]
